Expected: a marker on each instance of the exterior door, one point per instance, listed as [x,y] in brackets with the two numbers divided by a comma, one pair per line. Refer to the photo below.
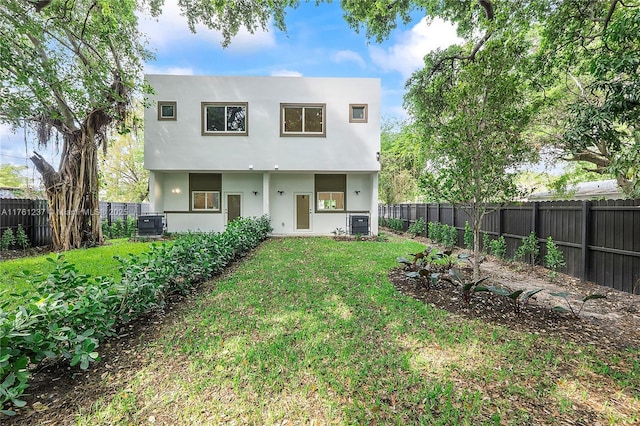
[303,212]
[234,210]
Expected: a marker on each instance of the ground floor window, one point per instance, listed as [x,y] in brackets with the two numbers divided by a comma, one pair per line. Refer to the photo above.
[205,200]
[330,201]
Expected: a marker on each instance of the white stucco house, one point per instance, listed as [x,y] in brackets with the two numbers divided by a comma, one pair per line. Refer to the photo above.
[305,151]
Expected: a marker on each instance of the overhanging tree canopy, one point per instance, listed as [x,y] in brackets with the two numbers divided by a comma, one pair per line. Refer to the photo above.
[71,67]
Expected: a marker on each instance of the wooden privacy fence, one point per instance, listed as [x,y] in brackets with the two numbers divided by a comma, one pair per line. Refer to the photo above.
[33,215]
[600,240]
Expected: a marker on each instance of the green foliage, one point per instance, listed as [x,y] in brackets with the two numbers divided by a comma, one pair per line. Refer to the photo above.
[554,258]
[119,228]
[416,228]
[396,225]
[71,313]
[486,243]
[11,176]
[22,240]
[402,157]
[529,248]
[442,233]
[518,297]
[468,236]
[8,239]
[467,286]
[499,247]
[571,309]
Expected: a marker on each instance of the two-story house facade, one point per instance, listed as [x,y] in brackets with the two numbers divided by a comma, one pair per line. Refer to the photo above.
[305,151]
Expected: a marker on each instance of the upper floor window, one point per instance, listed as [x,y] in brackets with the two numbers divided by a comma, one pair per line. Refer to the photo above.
[358,113]
[167,110]
[302,120]
[224,118]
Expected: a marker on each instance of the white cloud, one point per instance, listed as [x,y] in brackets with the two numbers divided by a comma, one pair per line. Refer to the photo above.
[170,30]
[348,56]
[152,69]
[406,55]
[285,73]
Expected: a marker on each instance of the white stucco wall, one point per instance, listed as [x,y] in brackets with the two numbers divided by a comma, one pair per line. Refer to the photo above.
[179,145]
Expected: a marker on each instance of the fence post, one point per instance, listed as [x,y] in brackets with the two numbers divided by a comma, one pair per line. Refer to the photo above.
[584,255]
[534,218]
[499,221]
[109,214]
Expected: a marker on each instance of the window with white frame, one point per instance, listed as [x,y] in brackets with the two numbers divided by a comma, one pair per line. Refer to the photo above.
[330,201]
[224,118]
[302,119]
[358,113]
[205,200]
[167,110]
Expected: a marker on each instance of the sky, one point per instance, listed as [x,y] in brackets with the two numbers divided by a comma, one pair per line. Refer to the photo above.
[318,43]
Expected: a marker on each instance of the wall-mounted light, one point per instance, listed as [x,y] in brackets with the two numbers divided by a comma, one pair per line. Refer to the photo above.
[176,190]
[378,156]
[250,166]
[255,192]
[280,192]
[357,191]
[275,167]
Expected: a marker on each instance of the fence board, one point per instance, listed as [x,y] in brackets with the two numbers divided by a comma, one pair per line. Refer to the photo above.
[33,215]
[600,240]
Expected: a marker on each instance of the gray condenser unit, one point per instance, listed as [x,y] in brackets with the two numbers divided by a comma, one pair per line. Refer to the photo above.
[150,225]
[359,224]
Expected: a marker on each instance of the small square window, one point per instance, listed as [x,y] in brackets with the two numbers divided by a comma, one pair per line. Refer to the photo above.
[167,110]
[358,113]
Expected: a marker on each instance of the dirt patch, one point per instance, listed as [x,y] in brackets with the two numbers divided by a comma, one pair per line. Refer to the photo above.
[611,323]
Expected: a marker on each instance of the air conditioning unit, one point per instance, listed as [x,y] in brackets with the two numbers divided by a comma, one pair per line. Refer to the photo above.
[359,224]
[150,225]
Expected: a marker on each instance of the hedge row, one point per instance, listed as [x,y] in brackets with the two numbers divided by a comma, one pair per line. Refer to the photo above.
[72,313]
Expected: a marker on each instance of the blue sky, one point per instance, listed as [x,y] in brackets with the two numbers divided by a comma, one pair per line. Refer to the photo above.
[318,43]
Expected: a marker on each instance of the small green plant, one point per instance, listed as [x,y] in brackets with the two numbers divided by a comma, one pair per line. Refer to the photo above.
[518,297]
[435,231]
[468,236]
[21,238]
[8,239]
[468,287]
[449,236]
[499,247]
[486,243]
[396,225]
[554,258]
[338,231]
[381,238]
[416,228]
[529,248]
[584,300]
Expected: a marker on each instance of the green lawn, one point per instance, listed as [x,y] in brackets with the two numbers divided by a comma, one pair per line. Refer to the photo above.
[311,330]
[96,261]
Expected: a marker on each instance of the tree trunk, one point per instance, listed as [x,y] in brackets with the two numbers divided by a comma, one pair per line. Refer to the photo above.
[476,245]
[72,192]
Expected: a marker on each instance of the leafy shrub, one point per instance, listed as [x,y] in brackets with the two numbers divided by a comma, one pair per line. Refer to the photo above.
[498,247]
[396,225]
[529,248]
[435,231]
[486,243]
[417,227]
[71,313]
[8,239]
[120,228]
[21,238]
[449,236]
[554,258]
[468,236]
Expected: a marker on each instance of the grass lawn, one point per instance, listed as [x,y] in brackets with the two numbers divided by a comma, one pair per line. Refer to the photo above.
[97,261]
[311,330]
